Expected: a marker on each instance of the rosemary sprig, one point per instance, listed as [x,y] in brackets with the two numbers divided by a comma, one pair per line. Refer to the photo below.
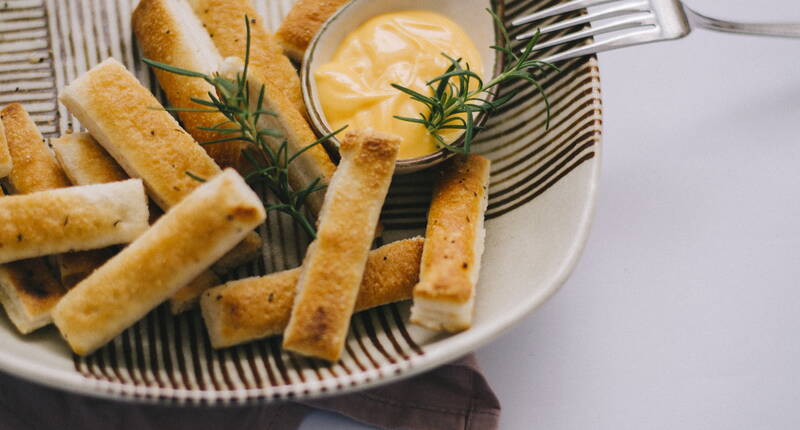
[459,94]
[231,98]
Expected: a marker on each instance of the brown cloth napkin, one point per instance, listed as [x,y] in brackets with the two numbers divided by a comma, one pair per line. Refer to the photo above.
[454,396]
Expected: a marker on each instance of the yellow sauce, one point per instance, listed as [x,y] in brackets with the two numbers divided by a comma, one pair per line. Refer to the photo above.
[404,48]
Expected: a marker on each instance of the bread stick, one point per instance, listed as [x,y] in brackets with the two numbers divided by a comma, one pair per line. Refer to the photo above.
[28,288]
[225,20]
[169,32]
[302,23]
[70,219]
[314,163]
[334,264]
[179,246]
[187,297]
[28,291]
[253,308]
[5,156]
[35,167]
[126,119]
[444,298]
[84,161]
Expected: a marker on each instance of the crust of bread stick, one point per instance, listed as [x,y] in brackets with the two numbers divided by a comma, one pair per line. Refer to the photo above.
[148,143]
[254,308]
[334,264]
[5,157]
[444,297]
[28,292]
[225,20]
[168,31]
[187,297]
[314,163]
[74,267]
[302,23]
[70,219]
[84,161]
[180,245]
[35,167]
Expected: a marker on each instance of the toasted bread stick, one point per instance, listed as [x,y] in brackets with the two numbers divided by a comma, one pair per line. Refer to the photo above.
[253,308]
[5,156]
[313,163]
[444,298]
[28,292]
[145,140]
[334,264]
[35,167]
[302,23]
[179,246]
[225,20]
[86,163]
[169,32]
[69,219]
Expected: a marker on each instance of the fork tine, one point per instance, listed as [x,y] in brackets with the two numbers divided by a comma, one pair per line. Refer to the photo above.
[559,9]
[621,24]
[629,39]
[617,10]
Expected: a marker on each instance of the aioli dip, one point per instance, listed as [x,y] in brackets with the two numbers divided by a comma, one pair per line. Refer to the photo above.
[403,48]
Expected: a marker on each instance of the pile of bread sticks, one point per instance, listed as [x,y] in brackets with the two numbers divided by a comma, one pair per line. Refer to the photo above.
[101,227]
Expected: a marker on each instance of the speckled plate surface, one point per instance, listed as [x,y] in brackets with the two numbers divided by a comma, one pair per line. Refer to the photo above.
[542,195]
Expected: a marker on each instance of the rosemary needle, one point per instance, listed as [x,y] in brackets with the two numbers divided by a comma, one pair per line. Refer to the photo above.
[231,98]
[459,94]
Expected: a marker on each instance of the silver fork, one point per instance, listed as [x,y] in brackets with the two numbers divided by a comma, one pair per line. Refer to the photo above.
[636,22]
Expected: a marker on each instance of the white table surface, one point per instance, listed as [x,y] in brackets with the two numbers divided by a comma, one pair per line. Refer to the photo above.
[684,311]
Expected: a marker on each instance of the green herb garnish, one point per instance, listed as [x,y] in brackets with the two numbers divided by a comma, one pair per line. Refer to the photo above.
[460,94]
[271,165]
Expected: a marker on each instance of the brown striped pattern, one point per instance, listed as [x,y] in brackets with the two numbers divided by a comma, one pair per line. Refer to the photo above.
[44,44]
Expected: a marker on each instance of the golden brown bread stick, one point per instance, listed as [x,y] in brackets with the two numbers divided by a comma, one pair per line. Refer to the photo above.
[253,308]
[35,167]
[334,264]
[444,298]
[302,23]
[168,31]
[28,292]
[225,20]
[71,219]
[179,246]
[124,117]
[84,161]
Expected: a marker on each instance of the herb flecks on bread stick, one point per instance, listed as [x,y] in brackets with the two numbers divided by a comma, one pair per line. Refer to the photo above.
[334,264]
[180,245]
[71,219]
[445,296]
[249,309]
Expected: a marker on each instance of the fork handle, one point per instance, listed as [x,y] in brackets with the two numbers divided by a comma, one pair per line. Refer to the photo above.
[759,29]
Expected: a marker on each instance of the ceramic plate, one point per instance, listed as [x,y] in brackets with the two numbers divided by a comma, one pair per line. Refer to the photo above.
[542,193]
